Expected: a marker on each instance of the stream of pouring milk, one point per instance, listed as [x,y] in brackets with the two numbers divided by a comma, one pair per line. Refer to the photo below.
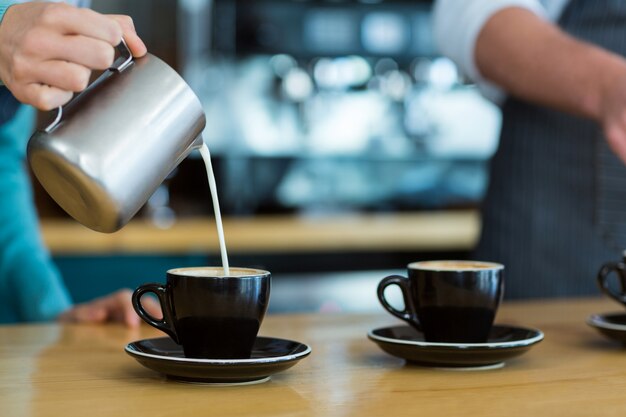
[206,156]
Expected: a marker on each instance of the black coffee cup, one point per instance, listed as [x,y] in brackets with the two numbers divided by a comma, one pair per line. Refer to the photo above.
[448,301]
[211,315]
[603,280]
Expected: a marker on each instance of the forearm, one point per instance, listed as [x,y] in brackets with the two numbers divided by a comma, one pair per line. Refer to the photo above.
[31,288]
[534,60]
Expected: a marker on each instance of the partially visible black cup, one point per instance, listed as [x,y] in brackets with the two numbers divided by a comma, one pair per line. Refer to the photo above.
[210,314]
[448,301]
[604,283]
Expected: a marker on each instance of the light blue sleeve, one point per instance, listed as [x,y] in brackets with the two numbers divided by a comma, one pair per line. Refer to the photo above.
[4,5]
[31,288]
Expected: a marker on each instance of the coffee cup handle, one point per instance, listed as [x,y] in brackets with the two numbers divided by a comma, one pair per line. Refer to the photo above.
[603,279]
[408,314]
[166,324]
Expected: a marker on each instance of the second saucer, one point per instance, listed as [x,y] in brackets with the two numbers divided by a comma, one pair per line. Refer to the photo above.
[504,342]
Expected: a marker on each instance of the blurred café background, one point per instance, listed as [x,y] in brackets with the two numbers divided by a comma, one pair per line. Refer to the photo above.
[344,147]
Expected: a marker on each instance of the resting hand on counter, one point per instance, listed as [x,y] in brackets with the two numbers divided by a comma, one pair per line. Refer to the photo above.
[115,307]
[48,50]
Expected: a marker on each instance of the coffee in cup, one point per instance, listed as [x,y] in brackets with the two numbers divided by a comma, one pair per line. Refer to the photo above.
[449,301]
[210,314]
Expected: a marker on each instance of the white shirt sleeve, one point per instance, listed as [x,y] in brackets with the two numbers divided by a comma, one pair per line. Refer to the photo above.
[457,24]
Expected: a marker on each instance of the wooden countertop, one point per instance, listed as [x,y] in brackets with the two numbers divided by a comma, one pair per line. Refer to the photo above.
[419,231]
[74,370]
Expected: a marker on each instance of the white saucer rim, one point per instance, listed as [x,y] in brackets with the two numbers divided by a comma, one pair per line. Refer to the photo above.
[511,344]
[477,368]
[597,320]
[251,361]
[221,384]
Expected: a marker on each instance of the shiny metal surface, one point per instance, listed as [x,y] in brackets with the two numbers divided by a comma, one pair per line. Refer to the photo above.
[116,142]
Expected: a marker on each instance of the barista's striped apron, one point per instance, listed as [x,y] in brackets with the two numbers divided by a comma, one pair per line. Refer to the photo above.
[556,205]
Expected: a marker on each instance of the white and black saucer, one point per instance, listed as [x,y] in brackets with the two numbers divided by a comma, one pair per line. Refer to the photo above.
[612,325]
[505,342]
[269,356]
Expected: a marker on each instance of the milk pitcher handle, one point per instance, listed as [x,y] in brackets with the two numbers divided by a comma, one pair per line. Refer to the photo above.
[124,59]
[166,324]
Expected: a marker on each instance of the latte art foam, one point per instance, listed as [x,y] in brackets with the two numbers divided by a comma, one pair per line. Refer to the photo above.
[454,265]
[209,272]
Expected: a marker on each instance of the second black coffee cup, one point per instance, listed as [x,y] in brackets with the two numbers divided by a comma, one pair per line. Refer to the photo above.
[449,301]
[210,314]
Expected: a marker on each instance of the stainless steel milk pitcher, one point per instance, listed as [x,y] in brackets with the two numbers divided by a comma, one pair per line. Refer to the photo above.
[112,145]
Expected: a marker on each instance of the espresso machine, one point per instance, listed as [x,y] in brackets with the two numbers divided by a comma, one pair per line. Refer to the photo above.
[326,106]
